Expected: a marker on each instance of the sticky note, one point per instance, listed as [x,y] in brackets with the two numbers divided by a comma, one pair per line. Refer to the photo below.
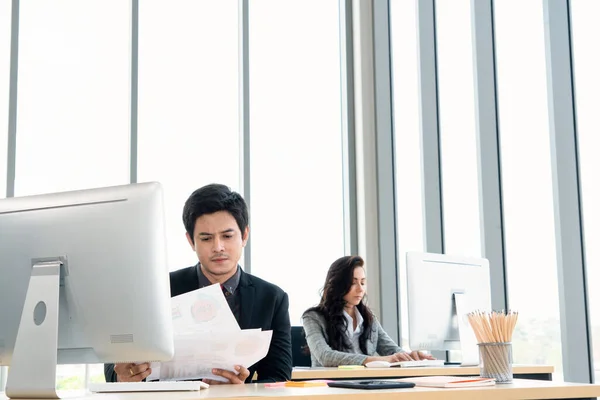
[351,366]
[313,383]
[275,384]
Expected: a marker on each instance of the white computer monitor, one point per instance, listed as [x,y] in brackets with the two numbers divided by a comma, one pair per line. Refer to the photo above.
[437,284]
[84,280]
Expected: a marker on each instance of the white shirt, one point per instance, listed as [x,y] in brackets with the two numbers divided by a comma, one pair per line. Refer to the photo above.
[354,334]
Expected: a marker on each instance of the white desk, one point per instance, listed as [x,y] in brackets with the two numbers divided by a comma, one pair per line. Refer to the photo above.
[519,390]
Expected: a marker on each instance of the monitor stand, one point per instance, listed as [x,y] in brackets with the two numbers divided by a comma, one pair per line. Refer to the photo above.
[468,341]
[450,360]
[32,372]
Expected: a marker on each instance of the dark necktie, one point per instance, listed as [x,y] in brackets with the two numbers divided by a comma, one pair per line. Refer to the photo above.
[225,291]
[233,305]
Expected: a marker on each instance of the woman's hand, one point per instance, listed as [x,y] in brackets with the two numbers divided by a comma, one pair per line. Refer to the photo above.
[418,355]
[412,356]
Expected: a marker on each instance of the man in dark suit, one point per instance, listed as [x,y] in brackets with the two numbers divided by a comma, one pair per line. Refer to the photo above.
[216,223]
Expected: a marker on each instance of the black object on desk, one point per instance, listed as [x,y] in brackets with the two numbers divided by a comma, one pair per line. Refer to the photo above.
[371,384]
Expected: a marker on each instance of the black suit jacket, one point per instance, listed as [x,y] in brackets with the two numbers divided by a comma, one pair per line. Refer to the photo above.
[262,305]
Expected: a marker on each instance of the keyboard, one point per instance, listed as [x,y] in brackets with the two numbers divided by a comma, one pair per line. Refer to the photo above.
[159,386]
[419,363]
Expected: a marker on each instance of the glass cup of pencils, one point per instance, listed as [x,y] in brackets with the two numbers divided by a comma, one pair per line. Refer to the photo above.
[494,334]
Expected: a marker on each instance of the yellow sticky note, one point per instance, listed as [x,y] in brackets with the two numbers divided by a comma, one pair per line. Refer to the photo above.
[351,366]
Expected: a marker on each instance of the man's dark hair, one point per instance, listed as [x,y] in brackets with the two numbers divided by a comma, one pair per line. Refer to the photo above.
[211,199]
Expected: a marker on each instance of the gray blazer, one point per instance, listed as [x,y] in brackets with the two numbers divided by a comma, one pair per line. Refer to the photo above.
[322,355]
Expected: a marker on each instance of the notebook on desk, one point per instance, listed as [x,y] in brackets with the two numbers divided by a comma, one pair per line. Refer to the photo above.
[449,381]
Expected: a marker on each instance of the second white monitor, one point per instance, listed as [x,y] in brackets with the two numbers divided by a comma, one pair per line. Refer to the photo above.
[433,280]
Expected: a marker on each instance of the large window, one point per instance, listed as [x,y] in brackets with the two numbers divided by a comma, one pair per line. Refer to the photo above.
[296,226]
[457,128]
[73,95]
[409,198]
[5,24]
[527,182]
[585,29]
[73,104]
[188,105]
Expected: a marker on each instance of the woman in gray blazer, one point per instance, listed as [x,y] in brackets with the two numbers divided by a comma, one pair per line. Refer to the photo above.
[342,330]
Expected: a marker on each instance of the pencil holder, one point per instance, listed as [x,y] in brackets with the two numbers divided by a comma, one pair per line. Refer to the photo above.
[496,361]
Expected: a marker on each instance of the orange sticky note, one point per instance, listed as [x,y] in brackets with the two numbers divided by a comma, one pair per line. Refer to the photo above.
[312,383]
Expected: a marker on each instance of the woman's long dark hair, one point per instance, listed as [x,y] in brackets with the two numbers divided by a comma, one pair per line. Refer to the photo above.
[337,284]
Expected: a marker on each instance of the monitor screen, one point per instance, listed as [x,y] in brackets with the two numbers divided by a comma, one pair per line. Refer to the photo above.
[95,257]
[433,281]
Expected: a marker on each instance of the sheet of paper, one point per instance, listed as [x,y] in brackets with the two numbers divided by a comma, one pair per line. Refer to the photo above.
[208,336]
[204,309]
[197,353]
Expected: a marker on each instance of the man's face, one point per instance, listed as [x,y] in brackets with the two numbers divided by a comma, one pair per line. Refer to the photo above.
[218,243]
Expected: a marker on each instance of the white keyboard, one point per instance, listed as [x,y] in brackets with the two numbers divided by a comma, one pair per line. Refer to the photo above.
[419,363]
[160,386]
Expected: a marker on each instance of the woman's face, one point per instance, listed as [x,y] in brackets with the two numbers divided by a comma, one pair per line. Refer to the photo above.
[358,289]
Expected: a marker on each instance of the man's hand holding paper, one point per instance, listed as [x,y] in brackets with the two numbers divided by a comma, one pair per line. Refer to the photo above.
[238,377]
